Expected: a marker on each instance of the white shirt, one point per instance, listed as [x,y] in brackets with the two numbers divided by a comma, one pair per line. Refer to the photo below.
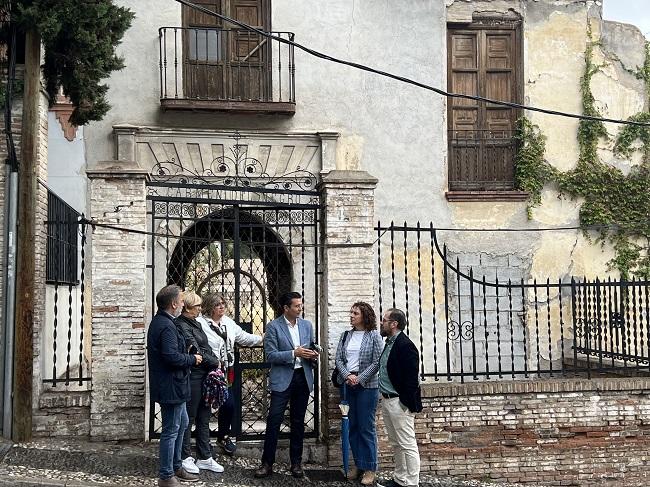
[216,343]
[235,335]
[352,352]
[295,338]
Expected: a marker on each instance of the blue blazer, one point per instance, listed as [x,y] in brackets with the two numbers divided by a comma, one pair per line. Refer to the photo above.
[278,348]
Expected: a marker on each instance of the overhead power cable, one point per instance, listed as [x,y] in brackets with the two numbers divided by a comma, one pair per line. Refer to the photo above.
[403,79]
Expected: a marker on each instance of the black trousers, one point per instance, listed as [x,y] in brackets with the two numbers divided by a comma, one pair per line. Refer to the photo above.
[225,415]
[297,397]
[200,414]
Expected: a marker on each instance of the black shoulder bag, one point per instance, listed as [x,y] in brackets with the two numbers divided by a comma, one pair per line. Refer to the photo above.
[335,372]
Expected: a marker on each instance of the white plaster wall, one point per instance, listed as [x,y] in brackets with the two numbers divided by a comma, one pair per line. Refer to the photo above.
[368,111]
[66,165]
[394,131]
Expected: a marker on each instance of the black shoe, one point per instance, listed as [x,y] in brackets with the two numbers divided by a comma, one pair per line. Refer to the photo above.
[297,471]
[388,483]
[227,445]
[264,471]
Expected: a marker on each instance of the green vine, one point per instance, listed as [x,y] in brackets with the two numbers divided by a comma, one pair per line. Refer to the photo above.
[532,172]
[616,202]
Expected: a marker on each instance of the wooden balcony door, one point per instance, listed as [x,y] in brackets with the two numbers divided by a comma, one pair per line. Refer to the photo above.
[484,61]
[222,61]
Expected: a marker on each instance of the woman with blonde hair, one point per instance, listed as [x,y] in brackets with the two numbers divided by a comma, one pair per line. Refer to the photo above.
[198,412]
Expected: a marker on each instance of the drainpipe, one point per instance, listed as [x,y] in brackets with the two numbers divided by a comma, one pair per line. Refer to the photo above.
[9,302]
[11,204]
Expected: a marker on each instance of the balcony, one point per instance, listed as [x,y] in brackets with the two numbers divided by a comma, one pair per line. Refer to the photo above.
[482,161]
[226,70]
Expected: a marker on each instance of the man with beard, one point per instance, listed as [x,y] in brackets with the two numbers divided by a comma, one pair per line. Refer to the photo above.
[399,386]
[169,383]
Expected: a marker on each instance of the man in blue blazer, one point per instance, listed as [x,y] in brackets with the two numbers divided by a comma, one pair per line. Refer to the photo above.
[291,379]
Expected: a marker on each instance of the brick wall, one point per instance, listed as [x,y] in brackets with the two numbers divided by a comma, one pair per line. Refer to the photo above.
[551,432]
[118,303]
[348,197]
[40,249]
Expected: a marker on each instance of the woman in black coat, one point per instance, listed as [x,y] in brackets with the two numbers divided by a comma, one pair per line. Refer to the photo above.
[197,410]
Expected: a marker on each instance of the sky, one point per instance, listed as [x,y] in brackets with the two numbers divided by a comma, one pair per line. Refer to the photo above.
[635,12]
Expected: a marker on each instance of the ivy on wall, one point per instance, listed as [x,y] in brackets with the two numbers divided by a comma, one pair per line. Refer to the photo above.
[532,172]
[79,39]
[617,203]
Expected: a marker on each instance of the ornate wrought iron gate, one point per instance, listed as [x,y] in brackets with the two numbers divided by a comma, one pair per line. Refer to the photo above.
[232,228]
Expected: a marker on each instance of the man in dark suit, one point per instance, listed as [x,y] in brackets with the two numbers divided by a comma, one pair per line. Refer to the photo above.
[399,386]
[169,383]
[291,379]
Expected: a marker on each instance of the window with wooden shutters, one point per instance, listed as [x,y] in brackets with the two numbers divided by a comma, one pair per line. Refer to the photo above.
[482,60]
[221,61]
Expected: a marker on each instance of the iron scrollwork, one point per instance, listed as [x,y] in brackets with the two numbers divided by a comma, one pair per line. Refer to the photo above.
[464,331]
[236,169]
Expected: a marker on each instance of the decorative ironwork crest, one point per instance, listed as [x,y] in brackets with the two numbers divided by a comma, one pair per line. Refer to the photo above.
[234,169]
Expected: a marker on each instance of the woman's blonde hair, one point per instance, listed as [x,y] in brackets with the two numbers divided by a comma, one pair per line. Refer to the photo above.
[190,299]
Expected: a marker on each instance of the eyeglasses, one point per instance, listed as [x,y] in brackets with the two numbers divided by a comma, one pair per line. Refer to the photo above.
[384,320]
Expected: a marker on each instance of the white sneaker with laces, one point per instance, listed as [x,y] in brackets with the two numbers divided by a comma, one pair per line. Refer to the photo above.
[190,466]
[209,464]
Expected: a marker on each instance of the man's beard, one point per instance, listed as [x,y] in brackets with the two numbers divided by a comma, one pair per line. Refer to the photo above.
[177,312]
[383,332]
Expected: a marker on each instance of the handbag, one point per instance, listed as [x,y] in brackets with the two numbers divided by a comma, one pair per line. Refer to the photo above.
[335,372]
[215,389]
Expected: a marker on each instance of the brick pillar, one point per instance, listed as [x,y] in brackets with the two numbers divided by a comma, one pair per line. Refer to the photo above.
[118,264]
[349,262]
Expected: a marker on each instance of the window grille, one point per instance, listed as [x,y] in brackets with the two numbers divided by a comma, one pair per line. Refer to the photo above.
[62,242]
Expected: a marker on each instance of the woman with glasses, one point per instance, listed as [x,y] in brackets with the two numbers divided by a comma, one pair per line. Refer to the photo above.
[221,329]
[198,412]
[357,360]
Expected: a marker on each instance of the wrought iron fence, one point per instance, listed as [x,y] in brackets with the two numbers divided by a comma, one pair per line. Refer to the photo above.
[481,160]
[481,321]
[65,351]
[225,65]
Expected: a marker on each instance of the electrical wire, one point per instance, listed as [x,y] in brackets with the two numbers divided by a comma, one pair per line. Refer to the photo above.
[403,79]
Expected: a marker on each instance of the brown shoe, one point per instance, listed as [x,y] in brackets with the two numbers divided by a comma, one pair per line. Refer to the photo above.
[184,476]
[170,482]
[264,471]
[368,478]
[353,473]
[297,471]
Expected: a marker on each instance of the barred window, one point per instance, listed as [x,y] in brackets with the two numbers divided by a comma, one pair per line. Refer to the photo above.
[62,242]
[484,59]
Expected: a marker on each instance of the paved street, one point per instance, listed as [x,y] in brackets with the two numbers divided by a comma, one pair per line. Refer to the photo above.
[80,464]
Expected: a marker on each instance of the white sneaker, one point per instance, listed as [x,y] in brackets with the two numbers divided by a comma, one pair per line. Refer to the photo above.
[209,464]
[190,466]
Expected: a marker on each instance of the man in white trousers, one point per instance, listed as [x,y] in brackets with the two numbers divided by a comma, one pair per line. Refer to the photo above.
[399,386]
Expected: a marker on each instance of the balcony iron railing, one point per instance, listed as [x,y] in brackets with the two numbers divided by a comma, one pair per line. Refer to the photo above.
[223,66]
[481,160]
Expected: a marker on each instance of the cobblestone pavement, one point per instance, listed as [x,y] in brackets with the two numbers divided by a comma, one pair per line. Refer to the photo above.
[84,464]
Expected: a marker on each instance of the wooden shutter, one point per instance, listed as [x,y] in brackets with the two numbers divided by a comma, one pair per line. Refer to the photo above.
[250,76]
[221,60]
[483,62]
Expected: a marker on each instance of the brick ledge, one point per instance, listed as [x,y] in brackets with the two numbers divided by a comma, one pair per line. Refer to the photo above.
[433,390]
